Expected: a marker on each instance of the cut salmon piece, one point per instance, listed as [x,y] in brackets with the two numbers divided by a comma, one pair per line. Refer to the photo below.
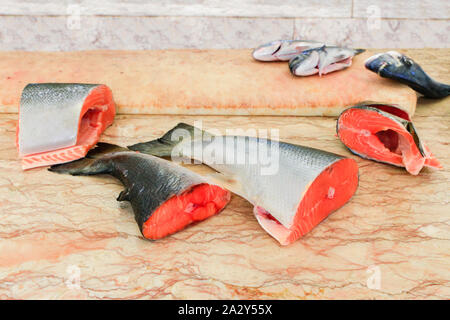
[303,186]
[384,133]
[60,122]
[165,196]
[328,192]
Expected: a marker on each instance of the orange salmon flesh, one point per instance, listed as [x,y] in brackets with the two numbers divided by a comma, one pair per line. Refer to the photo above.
[377,137]
[195,204]
[327,193]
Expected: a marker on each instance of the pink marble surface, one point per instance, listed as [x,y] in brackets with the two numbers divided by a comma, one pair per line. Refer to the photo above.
[64,237]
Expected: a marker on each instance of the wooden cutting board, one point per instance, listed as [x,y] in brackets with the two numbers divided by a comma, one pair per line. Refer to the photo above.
[215,82]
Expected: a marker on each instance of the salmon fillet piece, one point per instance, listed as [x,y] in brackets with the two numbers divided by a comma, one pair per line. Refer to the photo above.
[328,192]
[220,82]
[383,134]
[60,122]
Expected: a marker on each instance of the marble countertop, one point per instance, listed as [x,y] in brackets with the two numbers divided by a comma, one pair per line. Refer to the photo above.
[64,237]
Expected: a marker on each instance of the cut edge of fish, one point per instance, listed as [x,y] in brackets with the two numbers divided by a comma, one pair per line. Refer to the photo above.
[288,234]
[406,124]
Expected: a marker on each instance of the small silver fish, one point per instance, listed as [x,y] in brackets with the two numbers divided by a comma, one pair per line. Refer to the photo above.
[322,60]
[283,50]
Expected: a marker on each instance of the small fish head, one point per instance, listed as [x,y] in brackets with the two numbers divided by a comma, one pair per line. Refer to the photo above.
[266,51]
[335,58]
[305,63]
[399,67]
[388,63]
[337,54]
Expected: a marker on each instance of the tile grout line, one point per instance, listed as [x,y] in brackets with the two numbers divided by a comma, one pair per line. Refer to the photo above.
[352,9]
[351,17]
[294,30]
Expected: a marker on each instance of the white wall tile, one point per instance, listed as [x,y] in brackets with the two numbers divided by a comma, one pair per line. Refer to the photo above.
[407,9]
[387,33]
[230,8]
[219,24]
[137,33]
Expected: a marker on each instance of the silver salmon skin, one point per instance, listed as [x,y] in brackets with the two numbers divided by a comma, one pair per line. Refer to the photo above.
[60,122]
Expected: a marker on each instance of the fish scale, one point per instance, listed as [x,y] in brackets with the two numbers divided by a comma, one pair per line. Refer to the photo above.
[49,115]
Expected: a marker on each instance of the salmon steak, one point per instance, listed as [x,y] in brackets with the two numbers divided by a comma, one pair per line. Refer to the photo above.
[60,122]
[214,82]
[385,134]
[292,191]
[165,197]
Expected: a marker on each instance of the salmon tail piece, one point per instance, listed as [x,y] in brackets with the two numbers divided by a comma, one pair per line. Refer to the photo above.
[103,148]
[81,167]
[163,147]
[165,197]
[92,164]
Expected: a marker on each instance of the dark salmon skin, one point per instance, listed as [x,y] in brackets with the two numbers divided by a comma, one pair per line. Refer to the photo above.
[165,197]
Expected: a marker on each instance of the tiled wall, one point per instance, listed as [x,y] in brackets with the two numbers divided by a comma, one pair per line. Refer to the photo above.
[158,24]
